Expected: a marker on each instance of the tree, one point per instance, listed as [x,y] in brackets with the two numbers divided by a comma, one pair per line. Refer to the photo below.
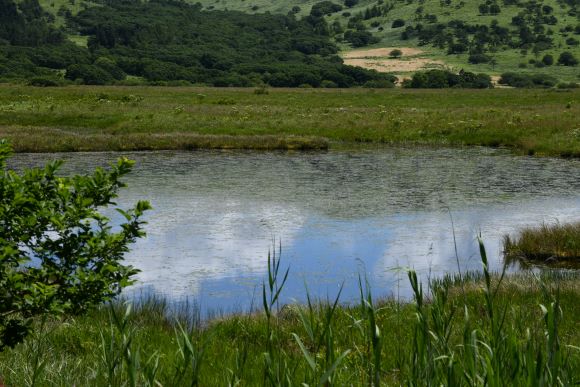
[398,23]
[396,53]
[548,60]
[567,59]
[58,253]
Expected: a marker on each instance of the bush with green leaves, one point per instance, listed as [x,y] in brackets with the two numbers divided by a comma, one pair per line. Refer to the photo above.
[440,79]
[527,80]
[567,59]
[58,252]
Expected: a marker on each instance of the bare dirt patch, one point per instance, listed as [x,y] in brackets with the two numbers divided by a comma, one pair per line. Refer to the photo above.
[378,59]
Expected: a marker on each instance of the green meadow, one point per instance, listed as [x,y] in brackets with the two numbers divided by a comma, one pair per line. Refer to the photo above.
[84,118]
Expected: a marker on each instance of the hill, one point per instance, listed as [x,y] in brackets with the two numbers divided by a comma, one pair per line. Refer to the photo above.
[484,36]
[170,41]
[492,36]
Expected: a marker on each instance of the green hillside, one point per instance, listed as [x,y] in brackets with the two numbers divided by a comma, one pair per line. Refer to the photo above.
[483,36]
[554,27]
[163,41]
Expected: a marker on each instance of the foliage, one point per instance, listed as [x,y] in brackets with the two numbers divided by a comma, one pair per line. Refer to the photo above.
[170,41]
[58,253]
[439,79]
[567,59]
[527,80]
[396,53]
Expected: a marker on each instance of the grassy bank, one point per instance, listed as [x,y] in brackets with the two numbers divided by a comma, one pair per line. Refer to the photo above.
[549,243]
[543,122]
[479,330]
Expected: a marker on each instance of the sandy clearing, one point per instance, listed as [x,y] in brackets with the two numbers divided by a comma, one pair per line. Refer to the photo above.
[378,59]
[380,52]
[395,65]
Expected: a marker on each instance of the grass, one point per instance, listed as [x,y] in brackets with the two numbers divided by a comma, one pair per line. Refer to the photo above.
[542,122]
[507,59]
[479,329]
[549,243]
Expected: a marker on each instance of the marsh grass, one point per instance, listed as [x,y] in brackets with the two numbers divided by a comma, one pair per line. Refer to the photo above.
[540,122]
[550,244]
[498,330]
[55,140]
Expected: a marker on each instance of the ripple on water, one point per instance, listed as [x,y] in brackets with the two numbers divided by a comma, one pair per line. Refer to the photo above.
[336,214]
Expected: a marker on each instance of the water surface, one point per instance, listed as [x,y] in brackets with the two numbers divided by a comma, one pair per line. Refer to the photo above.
[336,215]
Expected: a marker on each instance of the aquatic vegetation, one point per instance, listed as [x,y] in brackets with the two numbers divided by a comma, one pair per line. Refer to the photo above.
[549,244]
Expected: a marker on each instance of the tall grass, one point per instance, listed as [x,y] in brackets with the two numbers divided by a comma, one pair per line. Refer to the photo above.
[549,243]
[478,329]
[140,118]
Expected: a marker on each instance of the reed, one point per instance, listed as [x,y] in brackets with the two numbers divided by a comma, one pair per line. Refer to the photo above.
[477,329]
[550,244]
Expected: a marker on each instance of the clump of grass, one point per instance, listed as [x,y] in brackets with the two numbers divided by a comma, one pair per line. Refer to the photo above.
[56,140]
[549,243]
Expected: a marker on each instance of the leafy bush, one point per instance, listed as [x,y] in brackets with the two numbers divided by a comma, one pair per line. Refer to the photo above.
[88,74]
[360,38]
[43,82]
[527,80]
[439,79]
[398,23]
[478,58]
[58,253]
[548,60]
[567,59]
[396,53]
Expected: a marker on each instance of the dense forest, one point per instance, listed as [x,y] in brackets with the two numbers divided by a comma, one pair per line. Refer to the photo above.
[164,41]
[178,42]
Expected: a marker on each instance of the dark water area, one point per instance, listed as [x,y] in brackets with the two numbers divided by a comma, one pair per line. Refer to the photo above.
[336,215]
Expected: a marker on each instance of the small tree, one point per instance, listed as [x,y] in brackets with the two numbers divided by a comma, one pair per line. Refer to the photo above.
[548,60]
[396,53]
[567,59]
[58,253]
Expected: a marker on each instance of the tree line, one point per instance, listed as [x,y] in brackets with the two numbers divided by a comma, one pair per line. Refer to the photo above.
[172,41]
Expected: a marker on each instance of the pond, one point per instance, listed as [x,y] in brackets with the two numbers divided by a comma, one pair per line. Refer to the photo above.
[335,215]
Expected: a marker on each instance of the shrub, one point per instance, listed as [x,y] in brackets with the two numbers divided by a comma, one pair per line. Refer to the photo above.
[59,253]
[439,79]
[567,59]
[548,60]
[88,74]
[478,58]
[527,80]
[396,53]
[398,23]
[360,38]
[43,82]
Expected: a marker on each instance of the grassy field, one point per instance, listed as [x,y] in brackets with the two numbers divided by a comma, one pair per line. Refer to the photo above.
[542,122]
[484,329]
